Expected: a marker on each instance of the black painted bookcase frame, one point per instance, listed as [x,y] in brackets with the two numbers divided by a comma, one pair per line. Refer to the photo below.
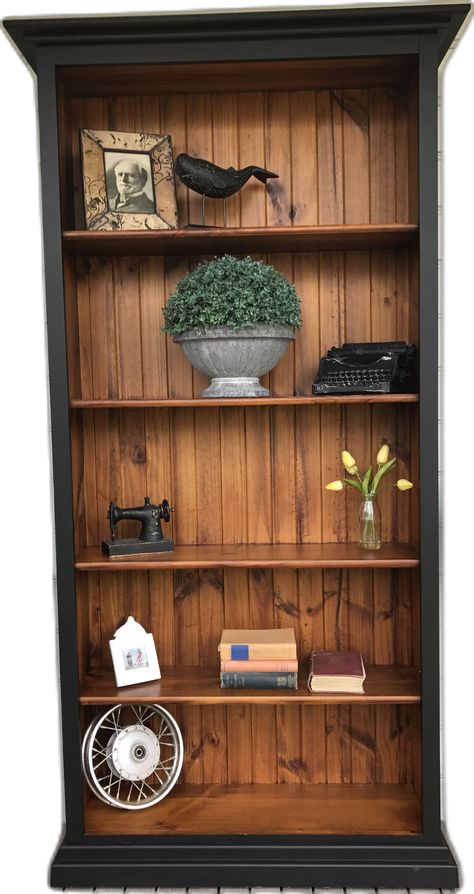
[423,860]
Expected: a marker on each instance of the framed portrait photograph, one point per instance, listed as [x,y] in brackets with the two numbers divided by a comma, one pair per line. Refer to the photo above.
[128,181]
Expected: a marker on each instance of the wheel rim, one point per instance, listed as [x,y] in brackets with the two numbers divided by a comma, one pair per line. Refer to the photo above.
[132,755]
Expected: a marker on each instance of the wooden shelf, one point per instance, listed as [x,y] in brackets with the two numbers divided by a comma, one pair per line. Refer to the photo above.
[296,401]
[200,686]
[255,555]
[266,809]
[209,241]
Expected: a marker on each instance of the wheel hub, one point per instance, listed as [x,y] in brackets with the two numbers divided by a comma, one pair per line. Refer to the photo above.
[133,753]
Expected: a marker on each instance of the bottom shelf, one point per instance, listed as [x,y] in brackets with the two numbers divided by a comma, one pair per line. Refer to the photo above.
[266,810]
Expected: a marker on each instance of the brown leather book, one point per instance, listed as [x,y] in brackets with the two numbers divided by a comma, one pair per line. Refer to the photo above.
[336,672]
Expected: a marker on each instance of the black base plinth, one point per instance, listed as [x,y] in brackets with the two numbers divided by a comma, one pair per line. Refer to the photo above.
[197,862]
[132,546]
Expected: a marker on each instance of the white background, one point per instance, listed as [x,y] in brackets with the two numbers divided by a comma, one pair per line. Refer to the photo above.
[30,768]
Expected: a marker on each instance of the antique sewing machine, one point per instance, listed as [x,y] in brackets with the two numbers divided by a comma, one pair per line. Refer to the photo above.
[150,540]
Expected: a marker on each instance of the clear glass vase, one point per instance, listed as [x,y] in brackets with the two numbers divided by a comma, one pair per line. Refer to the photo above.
[370,525]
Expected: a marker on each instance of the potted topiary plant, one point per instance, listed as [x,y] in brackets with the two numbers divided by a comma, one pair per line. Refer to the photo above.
[234,319]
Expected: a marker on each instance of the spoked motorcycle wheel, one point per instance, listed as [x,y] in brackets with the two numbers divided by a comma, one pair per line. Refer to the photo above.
[132,755]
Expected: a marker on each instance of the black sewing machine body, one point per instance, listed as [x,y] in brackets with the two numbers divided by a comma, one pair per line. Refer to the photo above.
[151,538]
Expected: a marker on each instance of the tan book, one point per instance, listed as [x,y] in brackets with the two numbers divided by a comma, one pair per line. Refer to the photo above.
[336,672]
[258,645]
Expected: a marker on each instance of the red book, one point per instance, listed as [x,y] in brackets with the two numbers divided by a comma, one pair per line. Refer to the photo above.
[275,666]
[336,672]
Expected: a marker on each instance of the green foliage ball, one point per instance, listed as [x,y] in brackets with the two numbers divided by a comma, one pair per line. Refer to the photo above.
[233,292]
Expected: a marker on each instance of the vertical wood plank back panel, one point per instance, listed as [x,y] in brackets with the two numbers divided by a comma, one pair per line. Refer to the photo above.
[355,123]
[363,744]
[251,140]
[199,131]
[355,127]
[174,123]
[382,156]
[344,295]
[133,465]
[290,766]
[252,497]
[308,474]
[234,479]
[211,614]
[214,739]
[189,718]
[239,717]
[225,137]
[180,371]
[402,159]
[158,458]
[154,341]
[127,315]
[304,157]
[162,616]
[256,474]
[187,615]
[277,158]
[330,158]
[210,501]
[307,345]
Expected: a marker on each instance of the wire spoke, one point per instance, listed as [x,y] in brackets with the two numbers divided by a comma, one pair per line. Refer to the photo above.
[137,715]
[115,719]
[96,766]
[151,713]
[108,787]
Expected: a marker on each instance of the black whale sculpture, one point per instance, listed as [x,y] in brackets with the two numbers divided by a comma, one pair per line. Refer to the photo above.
[214,182]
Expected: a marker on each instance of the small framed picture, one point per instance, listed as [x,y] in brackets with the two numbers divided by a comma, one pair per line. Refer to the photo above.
[134,654]
[128,181]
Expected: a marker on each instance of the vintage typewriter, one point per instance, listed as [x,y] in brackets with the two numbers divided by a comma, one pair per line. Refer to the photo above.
[362,368]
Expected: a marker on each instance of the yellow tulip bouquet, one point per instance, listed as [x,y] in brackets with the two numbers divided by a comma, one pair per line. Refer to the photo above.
[367,485]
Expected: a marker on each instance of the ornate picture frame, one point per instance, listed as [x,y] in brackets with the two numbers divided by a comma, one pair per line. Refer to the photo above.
[128,180]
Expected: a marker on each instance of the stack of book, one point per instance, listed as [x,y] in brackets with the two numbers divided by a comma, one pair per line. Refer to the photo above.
[258,659]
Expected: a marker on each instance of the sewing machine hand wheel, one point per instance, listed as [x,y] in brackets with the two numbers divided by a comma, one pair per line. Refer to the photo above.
[166,510]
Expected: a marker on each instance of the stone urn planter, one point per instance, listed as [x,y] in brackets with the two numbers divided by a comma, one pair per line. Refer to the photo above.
[234,319]
[235,358]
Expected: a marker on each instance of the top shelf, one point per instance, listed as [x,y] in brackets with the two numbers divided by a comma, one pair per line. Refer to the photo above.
[213,240]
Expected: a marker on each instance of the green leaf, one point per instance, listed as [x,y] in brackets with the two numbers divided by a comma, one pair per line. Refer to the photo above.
[234,292]
[387,467]
[365,483]
[356,484]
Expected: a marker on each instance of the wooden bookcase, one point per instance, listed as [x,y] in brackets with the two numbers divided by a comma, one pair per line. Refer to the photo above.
[277,787]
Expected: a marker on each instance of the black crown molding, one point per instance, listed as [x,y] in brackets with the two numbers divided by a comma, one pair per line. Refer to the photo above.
[29,35]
